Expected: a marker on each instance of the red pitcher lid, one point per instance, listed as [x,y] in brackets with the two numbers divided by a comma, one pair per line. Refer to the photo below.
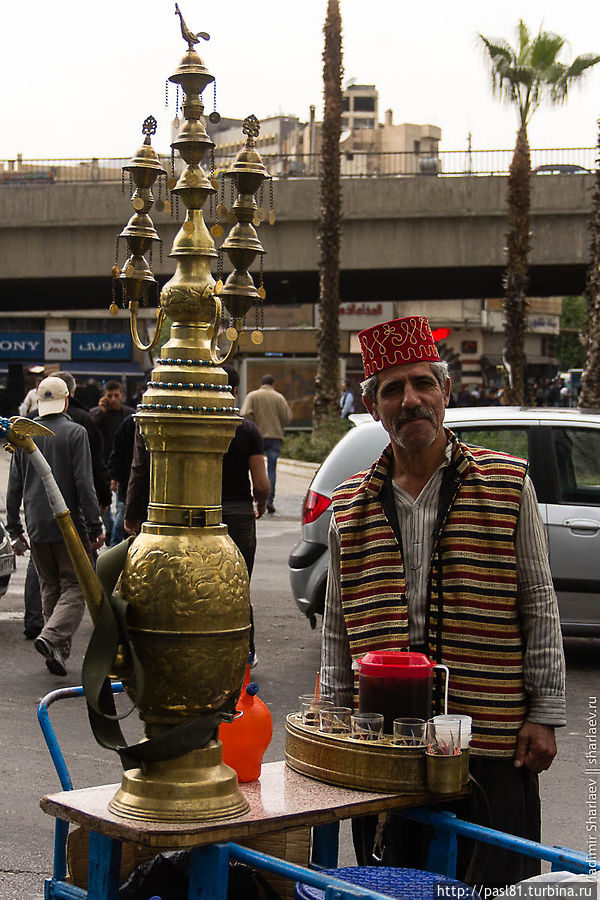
[396,663]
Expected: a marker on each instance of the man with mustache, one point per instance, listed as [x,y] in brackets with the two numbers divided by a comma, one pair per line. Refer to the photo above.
[439,548]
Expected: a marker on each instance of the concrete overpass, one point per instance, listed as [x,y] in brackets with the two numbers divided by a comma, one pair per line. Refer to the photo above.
[403,237]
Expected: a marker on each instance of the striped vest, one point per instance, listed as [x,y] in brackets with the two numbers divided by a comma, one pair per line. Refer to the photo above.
[472,620]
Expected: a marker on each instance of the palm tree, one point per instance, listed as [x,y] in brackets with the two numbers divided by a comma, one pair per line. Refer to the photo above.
[589,396]
[328,340]
[525,77]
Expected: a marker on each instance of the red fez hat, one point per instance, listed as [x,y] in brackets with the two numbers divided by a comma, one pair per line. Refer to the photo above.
[405,340]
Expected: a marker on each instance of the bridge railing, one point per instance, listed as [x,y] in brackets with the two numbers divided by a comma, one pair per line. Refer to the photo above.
[354,164]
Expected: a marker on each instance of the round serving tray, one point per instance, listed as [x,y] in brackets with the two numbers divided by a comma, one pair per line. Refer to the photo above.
[342,760]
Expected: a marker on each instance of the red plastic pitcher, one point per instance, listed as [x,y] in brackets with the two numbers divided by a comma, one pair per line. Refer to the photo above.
[397,684]
[248,736]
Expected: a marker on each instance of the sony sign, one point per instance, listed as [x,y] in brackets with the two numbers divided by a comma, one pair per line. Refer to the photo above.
[22,345]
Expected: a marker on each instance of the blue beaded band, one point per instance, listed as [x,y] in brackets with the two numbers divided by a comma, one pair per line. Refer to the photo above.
[4,426]
[172,407]
[185,362]
[188,386]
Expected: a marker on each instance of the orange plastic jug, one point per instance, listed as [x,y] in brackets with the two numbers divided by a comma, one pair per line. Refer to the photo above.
[248,736]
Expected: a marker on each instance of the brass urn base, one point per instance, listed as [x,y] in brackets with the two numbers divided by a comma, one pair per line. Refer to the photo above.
[196,787]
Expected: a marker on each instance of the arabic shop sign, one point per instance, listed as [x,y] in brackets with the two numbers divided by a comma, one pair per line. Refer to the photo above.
[101,346]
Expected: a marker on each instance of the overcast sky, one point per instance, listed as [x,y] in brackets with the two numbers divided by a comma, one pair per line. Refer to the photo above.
[78,78]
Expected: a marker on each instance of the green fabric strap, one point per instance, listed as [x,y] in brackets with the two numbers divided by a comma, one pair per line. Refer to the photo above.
[110,630]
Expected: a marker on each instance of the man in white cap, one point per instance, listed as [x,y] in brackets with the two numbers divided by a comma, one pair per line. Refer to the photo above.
[68,454]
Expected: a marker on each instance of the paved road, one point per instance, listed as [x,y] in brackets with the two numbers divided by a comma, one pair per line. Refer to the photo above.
[288,660]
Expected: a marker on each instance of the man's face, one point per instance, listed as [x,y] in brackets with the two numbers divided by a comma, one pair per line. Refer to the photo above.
[114,399]
[410,404]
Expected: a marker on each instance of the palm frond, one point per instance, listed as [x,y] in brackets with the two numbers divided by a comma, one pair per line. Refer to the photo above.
[523,36]
[498,48]
[580,64]
[545,49]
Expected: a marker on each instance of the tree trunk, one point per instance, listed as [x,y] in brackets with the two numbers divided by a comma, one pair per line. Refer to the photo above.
[518,245]
[589,396]
[328,340]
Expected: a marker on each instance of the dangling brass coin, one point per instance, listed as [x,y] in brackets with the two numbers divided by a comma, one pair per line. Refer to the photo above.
[166,206]
[217,231]
[138,203]
[261,292]
[188,227]
[113,309]
[231,333]
[171,183]
[218,286]
[222,211]
[130,271]
[215,183]
[260,214]
[256,337]
[256,222]
[115,271]
[231,217]
[159,205]
[272,217]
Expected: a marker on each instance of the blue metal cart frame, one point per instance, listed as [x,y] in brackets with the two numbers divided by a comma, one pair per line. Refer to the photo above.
[209,864]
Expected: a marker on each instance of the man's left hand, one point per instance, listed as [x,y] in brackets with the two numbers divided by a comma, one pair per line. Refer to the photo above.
[536,747]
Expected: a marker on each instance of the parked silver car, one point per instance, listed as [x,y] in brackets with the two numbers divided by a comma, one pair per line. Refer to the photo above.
[563,449]
[7,559]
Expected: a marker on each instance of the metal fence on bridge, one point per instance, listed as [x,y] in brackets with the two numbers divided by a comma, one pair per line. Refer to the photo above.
[354,164]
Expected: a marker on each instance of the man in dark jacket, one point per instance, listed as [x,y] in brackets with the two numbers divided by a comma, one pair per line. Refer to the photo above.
[34,620]
[68,454]
[119,466]
[107,416]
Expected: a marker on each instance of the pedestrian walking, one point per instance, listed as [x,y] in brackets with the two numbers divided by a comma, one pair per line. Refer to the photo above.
[440,548]
[68,454]
[270,411]
[119,466]
[28,408]
[346,400]
[107,416]
[34,620]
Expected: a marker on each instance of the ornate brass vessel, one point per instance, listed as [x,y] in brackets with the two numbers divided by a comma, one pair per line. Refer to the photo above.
[184,579]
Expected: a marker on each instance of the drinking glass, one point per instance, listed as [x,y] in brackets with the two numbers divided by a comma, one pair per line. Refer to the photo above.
[443,736]
[310,709]
[367,726]
[410,732]
[335,719]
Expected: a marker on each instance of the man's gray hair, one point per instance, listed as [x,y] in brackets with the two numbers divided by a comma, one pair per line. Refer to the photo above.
[439,369]
[68,380]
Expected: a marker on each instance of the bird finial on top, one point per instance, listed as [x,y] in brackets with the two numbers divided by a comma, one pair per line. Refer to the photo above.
[188,35]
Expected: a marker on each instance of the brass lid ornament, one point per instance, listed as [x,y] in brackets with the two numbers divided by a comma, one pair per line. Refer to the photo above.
[136,278]
[242,244]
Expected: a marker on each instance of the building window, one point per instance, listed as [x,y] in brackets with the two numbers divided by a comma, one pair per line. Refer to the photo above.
[13,323]
[364,104]
[99,326]
[345,103]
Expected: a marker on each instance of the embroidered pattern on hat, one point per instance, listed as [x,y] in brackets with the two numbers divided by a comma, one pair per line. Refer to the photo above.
[394,343]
